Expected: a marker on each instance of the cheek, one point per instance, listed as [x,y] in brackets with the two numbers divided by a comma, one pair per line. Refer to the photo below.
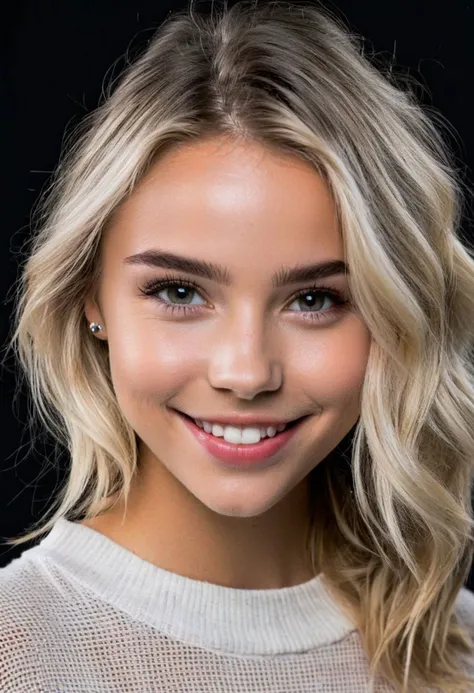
[152,364]
[338,364]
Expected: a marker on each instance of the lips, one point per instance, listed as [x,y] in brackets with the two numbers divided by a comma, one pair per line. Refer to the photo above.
[289,425]
[243,456]
[293,423]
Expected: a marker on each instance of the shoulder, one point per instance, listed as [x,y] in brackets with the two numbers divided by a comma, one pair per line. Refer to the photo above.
[37,602]
[18,580]
[19,613]
[464,608]
[39,597]
[31,593]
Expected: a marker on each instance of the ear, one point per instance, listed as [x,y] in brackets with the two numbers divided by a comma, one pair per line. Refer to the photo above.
[93,314]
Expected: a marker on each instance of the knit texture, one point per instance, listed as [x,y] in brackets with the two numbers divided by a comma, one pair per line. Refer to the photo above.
[81,614]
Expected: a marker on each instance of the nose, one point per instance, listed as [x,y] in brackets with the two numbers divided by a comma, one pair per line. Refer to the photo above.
[244,360]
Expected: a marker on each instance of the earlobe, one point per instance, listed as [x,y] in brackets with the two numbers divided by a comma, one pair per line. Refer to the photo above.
[94,318]
[95,327]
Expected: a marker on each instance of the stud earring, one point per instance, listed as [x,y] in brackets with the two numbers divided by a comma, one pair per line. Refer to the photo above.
[94,327]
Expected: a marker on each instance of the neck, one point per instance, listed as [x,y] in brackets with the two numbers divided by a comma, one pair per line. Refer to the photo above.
[168,526]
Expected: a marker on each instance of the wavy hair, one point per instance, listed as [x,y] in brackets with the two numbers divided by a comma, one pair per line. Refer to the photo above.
[392,530]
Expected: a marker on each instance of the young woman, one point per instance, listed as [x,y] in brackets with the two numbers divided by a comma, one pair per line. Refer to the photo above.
[248,314]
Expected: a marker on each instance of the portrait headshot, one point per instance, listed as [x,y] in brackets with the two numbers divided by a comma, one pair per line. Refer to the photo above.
[242,326]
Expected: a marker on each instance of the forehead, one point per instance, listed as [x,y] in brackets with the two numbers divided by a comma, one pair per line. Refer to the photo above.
[232,200]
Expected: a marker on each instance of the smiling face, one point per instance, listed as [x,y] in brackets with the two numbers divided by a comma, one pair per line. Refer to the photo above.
[241,345]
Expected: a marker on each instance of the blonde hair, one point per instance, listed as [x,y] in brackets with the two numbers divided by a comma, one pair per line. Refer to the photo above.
[393,536]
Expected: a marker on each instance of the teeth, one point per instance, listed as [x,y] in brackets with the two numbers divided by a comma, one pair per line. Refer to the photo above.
[236,435]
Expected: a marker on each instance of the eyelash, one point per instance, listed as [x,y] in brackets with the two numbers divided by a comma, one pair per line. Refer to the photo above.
[154,287]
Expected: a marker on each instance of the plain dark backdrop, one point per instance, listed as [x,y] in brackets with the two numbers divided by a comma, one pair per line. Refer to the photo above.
[56,59]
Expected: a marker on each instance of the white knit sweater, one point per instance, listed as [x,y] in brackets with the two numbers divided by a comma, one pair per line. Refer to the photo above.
[81,614]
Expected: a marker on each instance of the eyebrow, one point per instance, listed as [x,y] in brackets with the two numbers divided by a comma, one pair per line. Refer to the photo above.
[209,270]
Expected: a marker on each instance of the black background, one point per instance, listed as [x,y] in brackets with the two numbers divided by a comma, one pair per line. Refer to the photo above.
[56,59]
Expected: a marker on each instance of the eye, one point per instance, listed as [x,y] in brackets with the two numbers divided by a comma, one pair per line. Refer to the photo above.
[175,287]
[317,296]
[182,290]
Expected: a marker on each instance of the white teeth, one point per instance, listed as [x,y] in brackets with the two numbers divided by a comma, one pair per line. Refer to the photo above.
[236,435]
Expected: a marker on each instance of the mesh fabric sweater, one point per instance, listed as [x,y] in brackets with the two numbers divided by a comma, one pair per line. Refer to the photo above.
[81,614]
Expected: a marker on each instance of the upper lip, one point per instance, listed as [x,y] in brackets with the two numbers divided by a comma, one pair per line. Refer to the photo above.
[242,419]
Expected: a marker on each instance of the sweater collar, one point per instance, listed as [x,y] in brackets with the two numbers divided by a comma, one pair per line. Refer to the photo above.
[238,621]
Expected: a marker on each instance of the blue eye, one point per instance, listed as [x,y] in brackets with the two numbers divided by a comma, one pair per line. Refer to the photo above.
[157,286]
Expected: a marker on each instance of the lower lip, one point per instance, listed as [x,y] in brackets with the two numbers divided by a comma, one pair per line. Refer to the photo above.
[241,455]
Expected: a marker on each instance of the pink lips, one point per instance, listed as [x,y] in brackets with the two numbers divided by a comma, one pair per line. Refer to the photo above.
[241,455]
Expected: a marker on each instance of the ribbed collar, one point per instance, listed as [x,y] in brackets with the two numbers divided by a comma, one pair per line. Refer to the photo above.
[226,619]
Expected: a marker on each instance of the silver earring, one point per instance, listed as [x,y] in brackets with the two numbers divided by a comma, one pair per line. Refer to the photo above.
[94,327]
